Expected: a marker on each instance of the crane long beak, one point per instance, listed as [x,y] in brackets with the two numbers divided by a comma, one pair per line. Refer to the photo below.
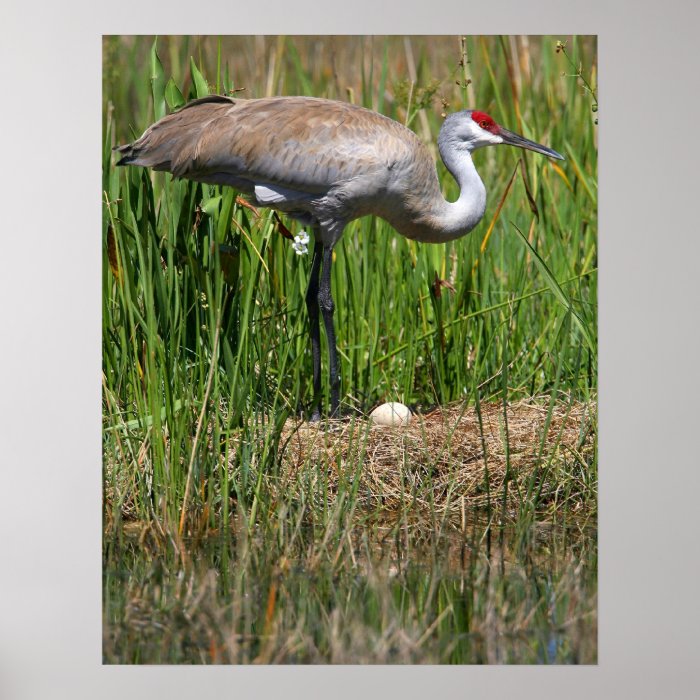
[515,140]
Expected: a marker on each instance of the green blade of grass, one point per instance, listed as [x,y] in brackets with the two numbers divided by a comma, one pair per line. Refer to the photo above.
[157,83]
[556,289]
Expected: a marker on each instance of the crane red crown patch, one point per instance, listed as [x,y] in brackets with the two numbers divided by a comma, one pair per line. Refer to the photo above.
[485,121]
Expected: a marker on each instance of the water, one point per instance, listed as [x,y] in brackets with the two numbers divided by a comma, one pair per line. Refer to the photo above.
[375,595]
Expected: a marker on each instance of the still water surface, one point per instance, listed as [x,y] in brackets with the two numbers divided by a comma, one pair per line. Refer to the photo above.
[394,595]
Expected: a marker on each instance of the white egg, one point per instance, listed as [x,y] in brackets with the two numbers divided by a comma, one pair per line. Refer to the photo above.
[392,413]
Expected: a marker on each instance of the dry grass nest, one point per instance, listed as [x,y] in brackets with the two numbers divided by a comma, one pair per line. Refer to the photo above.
[440,461]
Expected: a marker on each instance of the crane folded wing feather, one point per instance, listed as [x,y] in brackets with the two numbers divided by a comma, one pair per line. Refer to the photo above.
[274,194]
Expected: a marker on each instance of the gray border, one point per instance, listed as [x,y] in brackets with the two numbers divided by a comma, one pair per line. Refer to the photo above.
[50,626]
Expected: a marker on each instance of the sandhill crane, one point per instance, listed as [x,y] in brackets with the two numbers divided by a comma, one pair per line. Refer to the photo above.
[326,163]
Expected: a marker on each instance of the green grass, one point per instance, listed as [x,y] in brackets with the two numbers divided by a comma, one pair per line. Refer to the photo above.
[205,335]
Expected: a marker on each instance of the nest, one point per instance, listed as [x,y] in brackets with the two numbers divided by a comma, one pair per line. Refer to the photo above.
[444,463]
[447,460]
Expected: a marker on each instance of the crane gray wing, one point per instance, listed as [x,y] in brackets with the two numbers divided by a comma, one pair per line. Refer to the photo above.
[285,145]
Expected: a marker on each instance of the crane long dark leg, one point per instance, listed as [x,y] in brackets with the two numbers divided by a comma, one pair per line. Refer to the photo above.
[315,332]
[325,300]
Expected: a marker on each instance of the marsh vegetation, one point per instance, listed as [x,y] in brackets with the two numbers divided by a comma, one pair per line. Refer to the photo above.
[236,533]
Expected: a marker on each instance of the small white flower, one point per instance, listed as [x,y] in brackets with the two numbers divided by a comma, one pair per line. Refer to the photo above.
[301,242]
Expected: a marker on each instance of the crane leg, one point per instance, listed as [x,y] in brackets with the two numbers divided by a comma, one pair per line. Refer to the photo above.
[313,310]
[325,301]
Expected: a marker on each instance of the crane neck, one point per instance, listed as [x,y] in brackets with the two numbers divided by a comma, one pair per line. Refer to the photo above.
[425,215]
[458,218]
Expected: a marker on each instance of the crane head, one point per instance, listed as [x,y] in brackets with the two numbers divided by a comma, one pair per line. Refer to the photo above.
[475,129]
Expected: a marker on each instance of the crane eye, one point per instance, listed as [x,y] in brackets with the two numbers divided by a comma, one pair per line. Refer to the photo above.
[483,123]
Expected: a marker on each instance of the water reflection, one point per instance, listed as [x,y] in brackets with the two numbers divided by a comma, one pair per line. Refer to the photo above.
[375,595]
